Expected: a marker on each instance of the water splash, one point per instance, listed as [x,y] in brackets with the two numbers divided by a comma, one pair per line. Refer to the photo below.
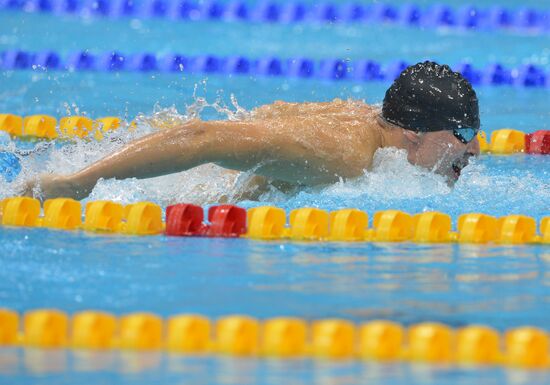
[494,185]
[207,183]
[162,118]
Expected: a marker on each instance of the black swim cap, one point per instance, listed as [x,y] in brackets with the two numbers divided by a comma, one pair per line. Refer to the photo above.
[430,97]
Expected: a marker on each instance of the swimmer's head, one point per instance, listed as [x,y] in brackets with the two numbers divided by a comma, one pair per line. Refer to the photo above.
[439,114]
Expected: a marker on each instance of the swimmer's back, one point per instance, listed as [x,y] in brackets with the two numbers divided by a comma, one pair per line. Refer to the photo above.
[343,133]
[335,111]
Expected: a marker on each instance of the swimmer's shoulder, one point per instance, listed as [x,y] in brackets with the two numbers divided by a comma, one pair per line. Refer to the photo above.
[350,108]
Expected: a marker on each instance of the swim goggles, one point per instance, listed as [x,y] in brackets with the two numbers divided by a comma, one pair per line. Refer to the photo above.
[465,135]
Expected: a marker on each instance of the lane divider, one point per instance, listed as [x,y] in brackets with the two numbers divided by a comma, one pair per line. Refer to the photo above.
[280,337]
[507,141]
[503,141]
[47,127]
[270,223]
[467,16]
[527,75]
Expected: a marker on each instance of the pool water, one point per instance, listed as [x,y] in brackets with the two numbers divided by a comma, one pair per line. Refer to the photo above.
[500,286]
[456,284]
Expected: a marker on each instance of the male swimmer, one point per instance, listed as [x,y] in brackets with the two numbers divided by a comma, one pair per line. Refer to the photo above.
[430,111]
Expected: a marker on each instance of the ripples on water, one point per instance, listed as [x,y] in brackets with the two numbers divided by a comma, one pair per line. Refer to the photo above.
[61,367]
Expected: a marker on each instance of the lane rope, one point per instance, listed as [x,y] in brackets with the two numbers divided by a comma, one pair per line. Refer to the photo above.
[496,74]
[270,223]
[280,337]
[467,17]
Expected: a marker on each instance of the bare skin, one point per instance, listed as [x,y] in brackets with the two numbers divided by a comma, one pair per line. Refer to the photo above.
[290,143]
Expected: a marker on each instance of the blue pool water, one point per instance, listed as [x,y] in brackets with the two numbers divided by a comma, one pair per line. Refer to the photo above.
[500,286]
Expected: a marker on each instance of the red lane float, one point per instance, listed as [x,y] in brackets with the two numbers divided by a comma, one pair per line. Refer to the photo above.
[538,142]
[226,221]
[184,220]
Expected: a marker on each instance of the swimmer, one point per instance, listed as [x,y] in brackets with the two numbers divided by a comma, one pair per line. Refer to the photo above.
[429,111]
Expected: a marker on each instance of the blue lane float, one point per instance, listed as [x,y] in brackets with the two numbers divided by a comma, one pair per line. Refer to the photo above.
[336,69]
[524,19]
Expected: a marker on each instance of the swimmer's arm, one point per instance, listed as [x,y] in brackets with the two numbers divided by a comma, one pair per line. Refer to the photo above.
[239,144]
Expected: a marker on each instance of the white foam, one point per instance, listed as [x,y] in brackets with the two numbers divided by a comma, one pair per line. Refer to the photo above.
[392,177]
[201,185]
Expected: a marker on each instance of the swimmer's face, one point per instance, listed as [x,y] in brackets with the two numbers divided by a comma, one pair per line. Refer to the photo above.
[442,153]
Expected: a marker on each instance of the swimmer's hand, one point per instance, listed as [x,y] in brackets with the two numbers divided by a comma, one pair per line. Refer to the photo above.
[49,186]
